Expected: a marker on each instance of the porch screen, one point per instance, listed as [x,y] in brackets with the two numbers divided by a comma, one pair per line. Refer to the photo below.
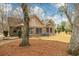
[47,29]
[50,30]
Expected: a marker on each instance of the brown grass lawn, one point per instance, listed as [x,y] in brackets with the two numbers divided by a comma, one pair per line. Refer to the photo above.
[49,47]
[62,37]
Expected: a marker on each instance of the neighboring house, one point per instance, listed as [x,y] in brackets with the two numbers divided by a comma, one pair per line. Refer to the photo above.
[14,25]
[36,26]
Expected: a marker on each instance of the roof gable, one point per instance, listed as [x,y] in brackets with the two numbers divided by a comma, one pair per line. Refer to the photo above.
[13,21]
[35,22]
[49,22]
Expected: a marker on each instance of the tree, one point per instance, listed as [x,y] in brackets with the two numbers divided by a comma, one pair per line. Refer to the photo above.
[58,29]
[64,9]
[68,28]
[74,41]
[4,13]
[1,14]
[62,26]
[25,36]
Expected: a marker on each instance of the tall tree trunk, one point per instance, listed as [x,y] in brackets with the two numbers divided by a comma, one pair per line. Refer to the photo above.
[2,20]
[2,24]
[25,36]
[74,41]
[8,27]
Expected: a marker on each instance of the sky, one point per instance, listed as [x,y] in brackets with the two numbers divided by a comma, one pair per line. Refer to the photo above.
[42,10]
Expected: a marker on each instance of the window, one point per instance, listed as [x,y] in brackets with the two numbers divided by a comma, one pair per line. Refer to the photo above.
[38,30]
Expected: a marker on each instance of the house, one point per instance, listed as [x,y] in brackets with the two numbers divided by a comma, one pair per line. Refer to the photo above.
[36,26]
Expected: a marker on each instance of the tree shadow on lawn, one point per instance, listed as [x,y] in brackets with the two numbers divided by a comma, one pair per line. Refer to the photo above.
[37,48]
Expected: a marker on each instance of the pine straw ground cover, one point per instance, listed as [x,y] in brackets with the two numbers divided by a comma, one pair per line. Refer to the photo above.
[37,48]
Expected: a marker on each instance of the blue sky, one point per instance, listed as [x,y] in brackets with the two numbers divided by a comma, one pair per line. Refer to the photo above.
[44,11]
[48,8]
[52,11]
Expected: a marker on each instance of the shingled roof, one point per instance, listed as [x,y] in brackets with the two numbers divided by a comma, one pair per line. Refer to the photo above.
[47,21]
[13,21]
[34,20]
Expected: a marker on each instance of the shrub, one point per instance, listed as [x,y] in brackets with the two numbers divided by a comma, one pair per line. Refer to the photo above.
[5,33]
